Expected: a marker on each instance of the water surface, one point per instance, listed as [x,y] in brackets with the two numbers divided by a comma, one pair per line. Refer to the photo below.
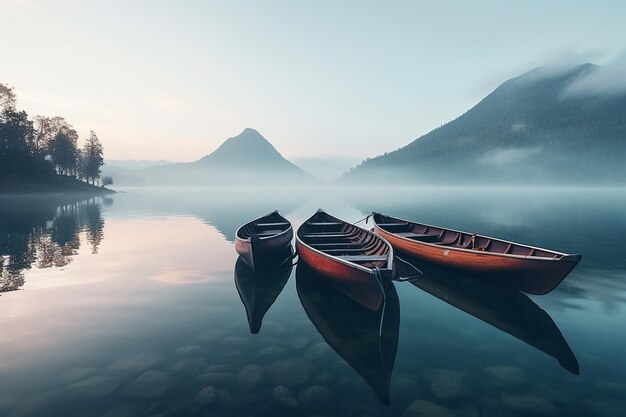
[127,305]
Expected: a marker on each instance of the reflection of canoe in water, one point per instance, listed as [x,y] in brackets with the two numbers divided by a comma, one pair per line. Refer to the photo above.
[350,255]
[508,310]
[262,242]
[259,290]
[367,340]
[530,269]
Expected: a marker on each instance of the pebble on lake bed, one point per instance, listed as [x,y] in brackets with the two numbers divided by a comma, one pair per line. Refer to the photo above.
[150,384]
[283,397]
[446,384]
[421,408]
[206,396]
[506,376]
[250,377]
[316,398]
[95,386]
[290,372]
[529,404]
[191,350]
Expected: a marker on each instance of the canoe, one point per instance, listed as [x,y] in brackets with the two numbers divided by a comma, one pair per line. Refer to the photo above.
[506,309]
[367,340]
[263,242]
[348,254]
[534,270]
[259,290]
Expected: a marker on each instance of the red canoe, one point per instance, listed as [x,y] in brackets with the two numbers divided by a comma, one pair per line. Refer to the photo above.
[351,256]
[534,270]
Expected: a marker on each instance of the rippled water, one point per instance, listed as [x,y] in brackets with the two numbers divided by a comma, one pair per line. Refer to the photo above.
[132,305]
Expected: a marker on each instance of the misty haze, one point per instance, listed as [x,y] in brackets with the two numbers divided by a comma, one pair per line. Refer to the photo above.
[312,209]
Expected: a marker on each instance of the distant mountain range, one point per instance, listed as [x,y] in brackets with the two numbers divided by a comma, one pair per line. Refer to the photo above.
[548,126]
[245,159]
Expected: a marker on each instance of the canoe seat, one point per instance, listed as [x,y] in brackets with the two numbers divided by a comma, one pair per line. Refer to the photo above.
[268,232]
[272,224]
[363,258]
[342,250]
[429,238]
[325,235]
[324,224]
[335,245]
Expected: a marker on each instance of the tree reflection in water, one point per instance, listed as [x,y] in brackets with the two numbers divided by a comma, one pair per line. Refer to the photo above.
[45,232]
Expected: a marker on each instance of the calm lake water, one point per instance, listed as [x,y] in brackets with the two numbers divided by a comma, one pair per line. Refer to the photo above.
[127,305]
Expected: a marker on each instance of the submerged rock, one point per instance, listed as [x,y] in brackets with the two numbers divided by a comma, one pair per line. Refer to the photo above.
[493,408]
[150,384]
[272,351]
[421,408]
[191,350]
[232,342]
[284,398]
[316,398]
[299,342]
[290,372]
[447,385]
[207,396]
[221,379]
[50,403]
[529,404]
[605,408]
[317,351]
[189,367]
[250,377]
[506,376]
[95,386]
[76,374]
[611,387]
[135,363]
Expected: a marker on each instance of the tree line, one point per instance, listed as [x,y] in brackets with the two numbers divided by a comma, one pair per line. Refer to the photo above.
[45,146]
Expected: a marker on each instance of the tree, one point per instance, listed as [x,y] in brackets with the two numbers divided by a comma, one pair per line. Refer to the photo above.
[63,153]
[93,158]
[107,180]
[7,97]
[15,133]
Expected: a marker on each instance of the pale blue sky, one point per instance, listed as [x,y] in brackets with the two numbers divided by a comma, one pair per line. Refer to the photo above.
[172,80]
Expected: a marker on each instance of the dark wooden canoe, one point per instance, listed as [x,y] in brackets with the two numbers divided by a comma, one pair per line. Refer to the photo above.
[262,242]
[534,270]
[259,290]
[367,340]
[347,253]
[500,306]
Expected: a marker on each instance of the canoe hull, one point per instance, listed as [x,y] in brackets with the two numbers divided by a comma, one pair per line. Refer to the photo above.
[261,254]
[362,285]
[532,275]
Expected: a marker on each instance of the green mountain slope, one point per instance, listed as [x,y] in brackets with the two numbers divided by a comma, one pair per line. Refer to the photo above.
[546,126]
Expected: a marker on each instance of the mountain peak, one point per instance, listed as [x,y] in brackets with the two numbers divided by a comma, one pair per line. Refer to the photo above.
[247,148]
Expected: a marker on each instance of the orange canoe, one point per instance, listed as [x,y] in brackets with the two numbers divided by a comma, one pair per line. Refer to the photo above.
[347,254]
[531,269]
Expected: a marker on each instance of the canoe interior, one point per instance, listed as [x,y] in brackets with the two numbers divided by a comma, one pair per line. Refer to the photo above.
[345,241]
[264,227]
[457,239]
[367,340]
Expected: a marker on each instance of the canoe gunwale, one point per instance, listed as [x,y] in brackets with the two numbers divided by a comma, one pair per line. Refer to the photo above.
[563,257]
[249,238]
